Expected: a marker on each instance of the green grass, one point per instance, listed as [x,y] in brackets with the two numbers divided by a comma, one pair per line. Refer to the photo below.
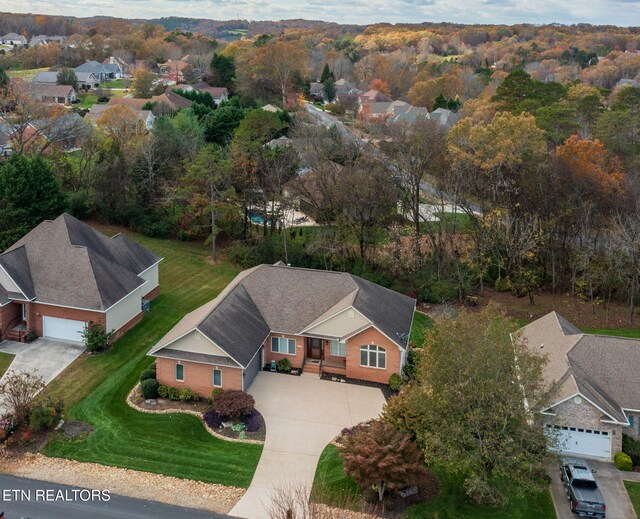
[331,485]
[633,489]
[5,361]
[420,323]
[462,221]
[94,388]
[619,332]
[116,83]
[86,100]
[26,74]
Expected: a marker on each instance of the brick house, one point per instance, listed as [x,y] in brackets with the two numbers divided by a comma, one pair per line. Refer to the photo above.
[596,397]
[321,321]
[64,274]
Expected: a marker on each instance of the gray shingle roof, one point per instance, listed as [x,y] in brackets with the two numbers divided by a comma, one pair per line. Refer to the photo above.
[198,357]
[66,262]
[277,298]
[46,78]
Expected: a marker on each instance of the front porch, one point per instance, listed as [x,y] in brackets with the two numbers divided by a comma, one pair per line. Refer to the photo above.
[13,322]
[319,360]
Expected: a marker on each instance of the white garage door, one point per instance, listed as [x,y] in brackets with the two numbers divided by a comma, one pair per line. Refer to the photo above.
[65,329]
[583,442]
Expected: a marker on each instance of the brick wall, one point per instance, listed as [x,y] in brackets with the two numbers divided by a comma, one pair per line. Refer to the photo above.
[197,377]
[635,430]
[153,294]
[119,333]
[8,314]
[296,360]
[35,311]
[585,416]
[371,336]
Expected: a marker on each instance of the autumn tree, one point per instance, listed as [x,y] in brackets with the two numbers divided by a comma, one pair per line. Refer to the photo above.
[17,391]
[380,457]
[471,406]
[142,83]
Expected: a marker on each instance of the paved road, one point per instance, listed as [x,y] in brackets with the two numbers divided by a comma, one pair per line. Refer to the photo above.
[15,504]
[297,433]
[610,482]
[328,120]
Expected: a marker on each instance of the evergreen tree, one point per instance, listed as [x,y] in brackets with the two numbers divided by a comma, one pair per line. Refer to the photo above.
[223,71]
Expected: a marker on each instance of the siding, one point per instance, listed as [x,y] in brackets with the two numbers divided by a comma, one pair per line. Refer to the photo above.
[195,342]
[122,312]
[340,325]
[197,377]
[252,370]
[6,282]
[152,278]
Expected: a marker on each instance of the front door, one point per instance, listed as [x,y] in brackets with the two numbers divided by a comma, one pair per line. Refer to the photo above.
[314,348]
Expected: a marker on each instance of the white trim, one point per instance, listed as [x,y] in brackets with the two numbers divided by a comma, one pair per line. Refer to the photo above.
[213,377]
[295,346]
[148,268]
[71,307]
[632,410]
[153,350]
[14,281]
[137,288]
[614,421]
[175,371]
[339,343]
[377,352]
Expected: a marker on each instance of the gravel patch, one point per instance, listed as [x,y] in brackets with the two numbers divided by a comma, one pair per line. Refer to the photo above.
[125,482]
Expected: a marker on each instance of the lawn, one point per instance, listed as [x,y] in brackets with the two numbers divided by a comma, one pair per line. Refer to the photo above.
[27,74]
[116,83]
[5,361]
[633,489]
[86,100]
[332,486]
[94,388]
[420,323]
[633,333]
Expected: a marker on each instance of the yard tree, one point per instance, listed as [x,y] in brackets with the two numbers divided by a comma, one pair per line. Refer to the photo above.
[417,151]
[142,83]
[18,389]
[471,406]
[29,194]
[380,457]
[67,76]
[223,71]
[207,183]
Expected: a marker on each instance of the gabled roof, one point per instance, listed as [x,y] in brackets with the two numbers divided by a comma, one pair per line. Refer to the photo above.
[45,77]
[601,368]
[65,262]
[282,299]
[93,67]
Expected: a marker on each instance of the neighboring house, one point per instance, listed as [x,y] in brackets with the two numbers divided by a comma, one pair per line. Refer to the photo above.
[374,96]
[43,39]
[6,142]
[596,395]
[13,39]
[173,69]
[64,132]
[120,66]
[88,80]
[411,115]
[321,321]
[99,70]
[219,94]
[64,274]
[316,91]
[48,93]
[344,87]
[445,117]
[48,78]
[146,116]
[271,108]
[375,111]
[172,100]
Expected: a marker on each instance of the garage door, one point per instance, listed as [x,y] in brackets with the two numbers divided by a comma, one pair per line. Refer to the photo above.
[65,329]
[580,441]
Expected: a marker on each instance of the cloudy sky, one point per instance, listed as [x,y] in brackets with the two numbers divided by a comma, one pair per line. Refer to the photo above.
[617,12]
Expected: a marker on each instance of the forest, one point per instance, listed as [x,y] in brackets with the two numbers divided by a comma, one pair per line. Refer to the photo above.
[536,187]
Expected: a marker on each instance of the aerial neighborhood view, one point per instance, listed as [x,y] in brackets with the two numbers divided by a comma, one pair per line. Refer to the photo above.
[276,260]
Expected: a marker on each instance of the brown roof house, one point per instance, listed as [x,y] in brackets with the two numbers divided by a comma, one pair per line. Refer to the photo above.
[596,392]
[64,274]
[321,321]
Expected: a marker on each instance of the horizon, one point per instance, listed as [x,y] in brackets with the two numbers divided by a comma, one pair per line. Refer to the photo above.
[467,12]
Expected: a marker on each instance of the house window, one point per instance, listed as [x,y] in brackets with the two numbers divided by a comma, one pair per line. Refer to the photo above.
[631,421]
[372,356]
[179,372]
[338,349]
[217,378]
[282,345]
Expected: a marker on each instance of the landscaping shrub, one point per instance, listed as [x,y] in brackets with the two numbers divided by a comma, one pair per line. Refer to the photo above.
[149,388]
[213,419]
[45,416]
[631,448]
[252,422]
[215,392]
[284,365]
[163,391]
[395,382]
[237,427]
[147,374]
[95,337]
[186,395]
[234,404]
[174,393]
[623,461]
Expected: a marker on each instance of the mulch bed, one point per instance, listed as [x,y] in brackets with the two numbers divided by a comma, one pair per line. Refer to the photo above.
[258,435]
[295,371]
[394,506]
[386,390]
[75,428]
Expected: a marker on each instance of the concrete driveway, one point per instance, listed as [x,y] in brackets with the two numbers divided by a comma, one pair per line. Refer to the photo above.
[303,414]
[610,482]
[46,357]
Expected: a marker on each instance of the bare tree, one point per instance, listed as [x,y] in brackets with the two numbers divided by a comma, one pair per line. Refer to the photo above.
[18,391]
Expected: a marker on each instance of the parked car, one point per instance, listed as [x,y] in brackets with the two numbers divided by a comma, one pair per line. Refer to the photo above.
[581,488]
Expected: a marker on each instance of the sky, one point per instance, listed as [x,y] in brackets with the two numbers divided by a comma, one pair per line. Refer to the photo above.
[614,12]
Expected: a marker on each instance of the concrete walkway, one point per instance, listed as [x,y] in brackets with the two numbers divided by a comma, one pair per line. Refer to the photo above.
[303,414]
[610,482]
[46,357]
